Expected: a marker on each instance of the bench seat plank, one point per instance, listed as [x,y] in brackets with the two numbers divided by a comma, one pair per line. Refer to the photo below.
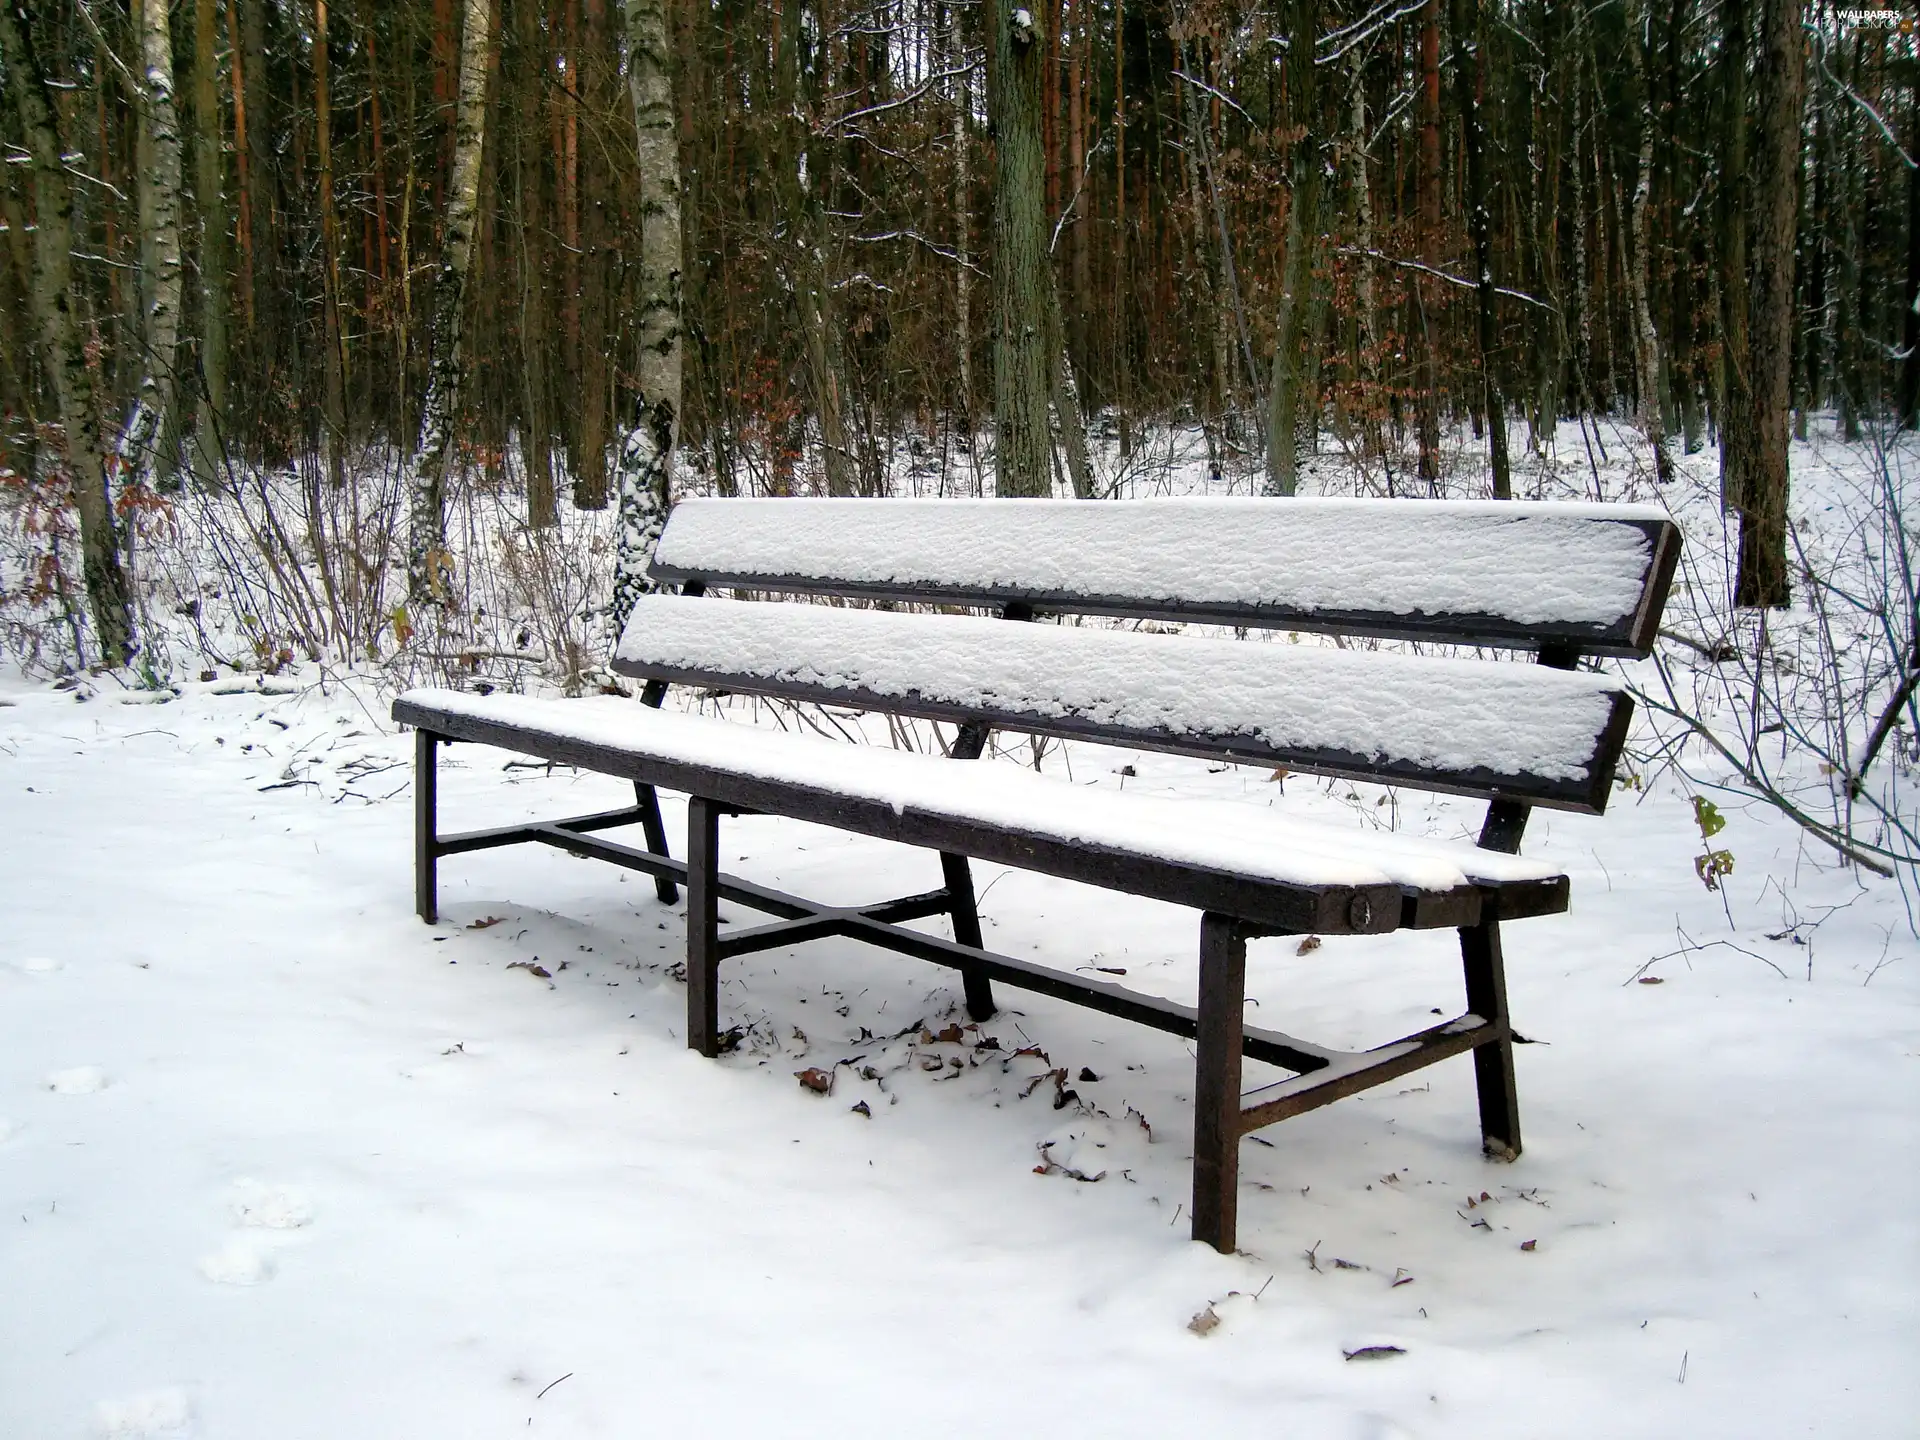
[1468,726]
[1502,573]
[1276,869]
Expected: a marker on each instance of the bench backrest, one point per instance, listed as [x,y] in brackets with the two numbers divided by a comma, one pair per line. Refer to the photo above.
[1560,578]
[1479,573]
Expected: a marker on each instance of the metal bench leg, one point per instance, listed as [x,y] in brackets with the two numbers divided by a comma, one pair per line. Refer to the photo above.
[966,929]
[703,926]
[1216,1093]
[1492,1064]
[426,852]
[648,800]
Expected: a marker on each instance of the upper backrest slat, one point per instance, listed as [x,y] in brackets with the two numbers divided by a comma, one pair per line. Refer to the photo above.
[1494,573]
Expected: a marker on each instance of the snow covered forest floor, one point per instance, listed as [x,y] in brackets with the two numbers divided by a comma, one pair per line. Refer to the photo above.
[276,1159]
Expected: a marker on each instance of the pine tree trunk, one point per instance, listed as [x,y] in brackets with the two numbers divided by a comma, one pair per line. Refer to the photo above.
[1292,327]
[335,417]
[1469,73]
[1428,399]
[646,455]
[51,299]
[210,199]
[1023,353]
[1646,338]
[1762,579]
[1736,390]
[139,449]
[429,566]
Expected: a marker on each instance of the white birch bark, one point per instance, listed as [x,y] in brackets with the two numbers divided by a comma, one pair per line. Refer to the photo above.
[429,566]
[138,448]
[645,476]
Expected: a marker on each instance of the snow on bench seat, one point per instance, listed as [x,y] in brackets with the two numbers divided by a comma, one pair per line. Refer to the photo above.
[1502,572]
[1479,726]
[1217,836]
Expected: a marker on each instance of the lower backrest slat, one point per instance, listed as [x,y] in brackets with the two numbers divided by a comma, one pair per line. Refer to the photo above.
[1522,732]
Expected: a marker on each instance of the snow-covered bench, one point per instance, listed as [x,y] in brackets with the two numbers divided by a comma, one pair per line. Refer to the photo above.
[1560,580]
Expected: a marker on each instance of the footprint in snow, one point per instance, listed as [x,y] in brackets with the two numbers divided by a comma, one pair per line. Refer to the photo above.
[270,1207]
[39,964]
[239,1262]
[81,1080]
[157,1415]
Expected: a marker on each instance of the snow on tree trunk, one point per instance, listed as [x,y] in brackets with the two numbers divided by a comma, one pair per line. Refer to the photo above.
[429,566]
[646,452]
[50,297]
[138,449]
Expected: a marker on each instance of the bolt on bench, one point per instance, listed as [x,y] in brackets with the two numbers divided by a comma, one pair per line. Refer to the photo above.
[1561,580]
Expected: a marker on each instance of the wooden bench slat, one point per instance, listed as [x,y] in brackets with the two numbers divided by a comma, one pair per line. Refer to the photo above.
[1466,726]
[1507,574]
[1130,832]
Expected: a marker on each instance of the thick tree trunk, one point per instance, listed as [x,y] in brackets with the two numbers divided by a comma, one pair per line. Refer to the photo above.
[962,218]
[1023,346]
[1292,327]
[429,566]
[148,422]
[1736,390]
[1469,73]
[334,418]
[646,455]
[1646,339]
[536,407]
[1428,400]
[1762,579]
[210,199]
[51,300]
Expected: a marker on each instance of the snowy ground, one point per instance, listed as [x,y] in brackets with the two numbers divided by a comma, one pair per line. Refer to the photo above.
[276,1159]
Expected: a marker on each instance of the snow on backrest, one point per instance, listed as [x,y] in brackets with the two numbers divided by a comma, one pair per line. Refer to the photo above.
[1483,728]
[1503,573]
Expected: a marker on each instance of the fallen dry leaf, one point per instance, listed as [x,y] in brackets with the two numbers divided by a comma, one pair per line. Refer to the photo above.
[487,923]
[532,967]
[1309,945]
[1528,1244]
[1205,1323]
[1374,1352]
[815,1079]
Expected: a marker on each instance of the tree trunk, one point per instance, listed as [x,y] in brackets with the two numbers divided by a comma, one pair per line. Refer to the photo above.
[209,196]
[1023,348]
[1646,338]
[646,456]
[1428,400]
[1291,327]
[1909,407]
[51,300]
[335,417]
[429,566]
[536,413]
[139,450]
[962,219]
[1469,75]
[1736,390]
[1762,579]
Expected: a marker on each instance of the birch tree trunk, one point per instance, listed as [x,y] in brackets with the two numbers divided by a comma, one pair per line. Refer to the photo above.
[646,454]
[1762,578]
[1023,353]
[50,298]
[138,449]
[429,567]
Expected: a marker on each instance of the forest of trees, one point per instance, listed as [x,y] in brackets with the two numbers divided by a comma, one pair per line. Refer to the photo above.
[792,236]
